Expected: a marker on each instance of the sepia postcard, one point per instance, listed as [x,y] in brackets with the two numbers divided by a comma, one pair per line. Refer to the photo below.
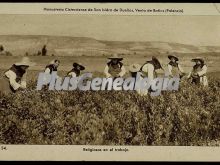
[110,81]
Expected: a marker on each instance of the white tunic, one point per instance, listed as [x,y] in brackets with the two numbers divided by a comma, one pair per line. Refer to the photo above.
[201,74]
[149,69]
[12,80]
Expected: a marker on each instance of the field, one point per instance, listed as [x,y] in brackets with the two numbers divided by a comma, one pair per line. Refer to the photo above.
[80,46]
[188,117]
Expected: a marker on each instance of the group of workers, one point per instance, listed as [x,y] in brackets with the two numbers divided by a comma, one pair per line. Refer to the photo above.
[115,68]
[14,78]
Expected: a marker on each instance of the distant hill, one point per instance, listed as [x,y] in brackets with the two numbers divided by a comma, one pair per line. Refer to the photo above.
[83,46]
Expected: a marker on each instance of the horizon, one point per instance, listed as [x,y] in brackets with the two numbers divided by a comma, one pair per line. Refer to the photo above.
[105,40]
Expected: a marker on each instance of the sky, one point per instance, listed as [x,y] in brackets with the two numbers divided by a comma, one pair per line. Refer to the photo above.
[195,30]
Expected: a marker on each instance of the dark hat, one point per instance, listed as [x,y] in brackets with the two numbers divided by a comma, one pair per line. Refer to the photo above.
[172,56]
[156,63]
[115,56]
[198,59]
[80,66]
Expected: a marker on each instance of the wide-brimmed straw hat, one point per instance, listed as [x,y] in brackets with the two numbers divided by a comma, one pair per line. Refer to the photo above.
[79,65]
[53,61]
[25,61]
[115,56]
[172,56]
[134,68]
[157,63]
[198,59]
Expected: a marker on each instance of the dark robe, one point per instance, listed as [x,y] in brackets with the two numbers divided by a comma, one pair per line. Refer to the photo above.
[114,69]
[51,67]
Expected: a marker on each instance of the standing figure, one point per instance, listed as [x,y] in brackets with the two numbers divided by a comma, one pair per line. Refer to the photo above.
[174,68]
[114,67]
[44,50]
[14,79]
[150,67]
[149,71]
[198,73]
[76,70]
